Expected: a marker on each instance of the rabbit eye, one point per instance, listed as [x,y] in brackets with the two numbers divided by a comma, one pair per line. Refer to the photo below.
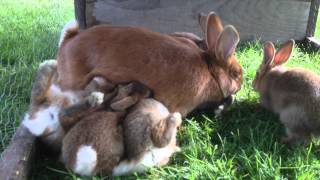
[257,73]
[235,74]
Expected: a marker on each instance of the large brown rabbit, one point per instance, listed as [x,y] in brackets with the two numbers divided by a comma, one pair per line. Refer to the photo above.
[180,73]
[293,93]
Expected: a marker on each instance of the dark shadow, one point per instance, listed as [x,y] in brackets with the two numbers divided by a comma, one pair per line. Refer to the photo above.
[245,124]
[46,160]
[308,46]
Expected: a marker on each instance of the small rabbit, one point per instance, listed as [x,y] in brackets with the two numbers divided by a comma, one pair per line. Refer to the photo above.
[47,101]
[149,136]
[94,145]
[293,93]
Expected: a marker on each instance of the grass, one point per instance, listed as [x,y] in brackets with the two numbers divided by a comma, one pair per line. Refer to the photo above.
[317,33]
[243,143]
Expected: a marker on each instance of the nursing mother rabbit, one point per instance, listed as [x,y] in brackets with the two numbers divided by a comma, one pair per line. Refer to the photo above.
[181,75]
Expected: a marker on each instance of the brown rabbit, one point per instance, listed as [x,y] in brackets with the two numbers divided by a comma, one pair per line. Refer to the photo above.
[94,144]
[293,93]
[42,118]
[180,73]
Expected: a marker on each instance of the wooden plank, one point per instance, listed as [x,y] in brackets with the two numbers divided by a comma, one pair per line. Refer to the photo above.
[313,15]
[275,20]
[80,12]
[16,160]
[313,44]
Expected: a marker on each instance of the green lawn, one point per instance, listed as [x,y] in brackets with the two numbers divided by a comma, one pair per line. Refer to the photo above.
[243,143]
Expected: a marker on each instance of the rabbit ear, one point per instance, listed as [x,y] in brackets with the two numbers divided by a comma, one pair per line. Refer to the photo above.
[284,53]
[269,52]
[45,72]
[124,103]
[227,43]
[202,20]
[213,30]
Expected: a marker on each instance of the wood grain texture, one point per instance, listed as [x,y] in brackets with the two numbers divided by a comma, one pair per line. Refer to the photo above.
[275,20]
[80,12]
[312,20]
[16,160]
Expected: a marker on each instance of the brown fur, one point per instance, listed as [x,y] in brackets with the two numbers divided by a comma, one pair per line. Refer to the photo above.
[293,93]
[46,74]
[148,124]
[180,74]
[121,98]
[102,132]
[42,97]
[99,127]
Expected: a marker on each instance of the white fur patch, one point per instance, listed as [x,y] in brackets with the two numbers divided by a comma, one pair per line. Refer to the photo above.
[49,62]
[219,110]
[69,25]
[71,96]
[46,118]
[162,109]
[100,80]
[177,115]
[86,160]
[151,159]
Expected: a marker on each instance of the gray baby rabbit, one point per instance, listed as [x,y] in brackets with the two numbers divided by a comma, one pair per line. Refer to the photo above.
[149,134]
[293,93]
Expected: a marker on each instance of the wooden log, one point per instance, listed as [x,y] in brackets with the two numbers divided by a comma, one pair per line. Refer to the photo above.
[16,160]
[272,20]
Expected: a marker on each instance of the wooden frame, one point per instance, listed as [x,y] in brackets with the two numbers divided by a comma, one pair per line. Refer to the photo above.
[272,20]
[16,160]
[310,40]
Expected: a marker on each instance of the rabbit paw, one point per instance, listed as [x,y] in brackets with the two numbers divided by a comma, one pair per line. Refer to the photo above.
[95,99]
[218,110]
[175,119]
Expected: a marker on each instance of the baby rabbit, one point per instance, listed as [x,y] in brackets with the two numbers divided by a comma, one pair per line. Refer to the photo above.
[47,101]
[149,136]
[293,93]
[95,144]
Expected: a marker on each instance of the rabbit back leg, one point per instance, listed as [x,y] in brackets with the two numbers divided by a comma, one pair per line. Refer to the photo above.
[296,121]
[165,130]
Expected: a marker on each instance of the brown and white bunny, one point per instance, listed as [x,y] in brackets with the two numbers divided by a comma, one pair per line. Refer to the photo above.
[181,74]
[149,132]
[94,145]
[47,101]
[293,93]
